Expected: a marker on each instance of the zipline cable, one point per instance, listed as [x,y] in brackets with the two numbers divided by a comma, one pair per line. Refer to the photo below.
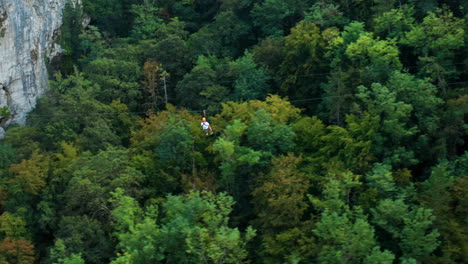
[194,111]
[360,71]
[180,111]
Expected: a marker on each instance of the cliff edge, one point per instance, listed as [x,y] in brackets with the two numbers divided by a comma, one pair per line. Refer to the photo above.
[28,29]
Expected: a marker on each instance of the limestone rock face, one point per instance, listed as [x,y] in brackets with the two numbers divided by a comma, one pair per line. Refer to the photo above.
[28,29]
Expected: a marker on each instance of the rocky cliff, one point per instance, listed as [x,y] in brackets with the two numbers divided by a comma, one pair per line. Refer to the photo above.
[28,29]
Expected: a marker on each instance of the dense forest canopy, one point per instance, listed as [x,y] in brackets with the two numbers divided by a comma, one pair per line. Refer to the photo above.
[339,136]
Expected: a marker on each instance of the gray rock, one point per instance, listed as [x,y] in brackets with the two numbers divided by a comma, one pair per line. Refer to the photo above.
[28,29]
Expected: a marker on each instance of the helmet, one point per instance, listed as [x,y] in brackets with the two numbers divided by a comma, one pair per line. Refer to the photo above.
[203,119]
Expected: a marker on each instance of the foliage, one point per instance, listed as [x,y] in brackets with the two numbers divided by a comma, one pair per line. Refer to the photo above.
[411,226]
[272,16]
[250,80]
[280,195]
[112,16]
[345,240]
[395,23]
[339,135]
[29,175]
[303,49]
[326,14]
[17,251]
[223,37]
[393,117]
[200,83]
[146,21]
[12,226]
[233,155]
[436,41]
[193,229]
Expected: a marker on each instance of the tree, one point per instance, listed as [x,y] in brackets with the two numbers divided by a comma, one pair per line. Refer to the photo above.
[17,251]
[153,75]
[422,95]
[168,149]
[233,155]
[223,37]
[381,6]
[280,206]
[98,135]
[337,95]
[394,127]
[12,226]
[395,23]
[294,245]
[411,226]
[90,123]
[439,34]
[92,44]
[73,259]
[425,114]
[196,85]
[195,13]
[93,177]
[69,37]
[8,155]
[347,239]
[59,253]
[251,81]
[118,79]
[30,175]
[352,146]
[326,14]
[336,191]
[423,7]
[110,16]
[176,144]
[269,53]
[24,140]
[193,230]
[418,240]
[170,48]
[303,49]
[309,131]
[344,76]
[375,57]
[280,195]
[280,109]
[381,179]
[274,17]
[269,136]
[82,234]
[451,131]
[146,21]
[377,256]
[437,194]
[436,41]
[4,115]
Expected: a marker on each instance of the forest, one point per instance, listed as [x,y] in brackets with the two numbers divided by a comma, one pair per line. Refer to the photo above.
[339,136]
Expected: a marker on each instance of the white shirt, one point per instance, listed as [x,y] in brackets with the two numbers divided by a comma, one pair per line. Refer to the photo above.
[205,125]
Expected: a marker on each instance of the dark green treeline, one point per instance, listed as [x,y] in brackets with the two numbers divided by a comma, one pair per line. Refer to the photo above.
[339,136]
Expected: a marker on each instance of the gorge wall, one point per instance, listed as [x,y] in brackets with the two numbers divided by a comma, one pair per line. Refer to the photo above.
[28,29]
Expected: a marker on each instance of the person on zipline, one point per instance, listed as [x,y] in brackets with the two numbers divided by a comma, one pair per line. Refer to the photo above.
[206,126]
